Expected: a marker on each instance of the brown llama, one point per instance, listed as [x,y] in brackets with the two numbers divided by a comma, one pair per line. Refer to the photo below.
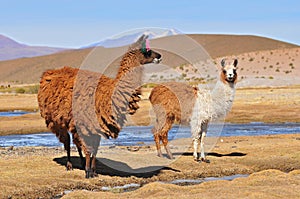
[109,99]
[190,105]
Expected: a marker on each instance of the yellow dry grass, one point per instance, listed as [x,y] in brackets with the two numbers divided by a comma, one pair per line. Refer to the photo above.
[11,102]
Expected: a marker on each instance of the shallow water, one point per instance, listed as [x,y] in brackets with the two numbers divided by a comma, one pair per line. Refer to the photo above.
[180,182]
[13,113]
[140,135]
[184,182]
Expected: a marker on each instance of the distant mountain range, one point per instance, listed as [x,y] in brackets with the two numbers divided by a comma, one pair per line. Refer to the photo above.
[10,49]
[129,38]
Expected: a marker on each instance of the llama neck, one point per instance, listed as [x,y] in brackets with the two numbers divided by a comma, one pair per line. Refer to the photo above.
[222,98]
[129,61]
[126,87]
[130,74]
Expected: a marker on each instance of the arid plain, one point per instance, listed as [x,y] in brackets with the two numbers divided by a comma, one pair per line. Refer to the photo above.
[268,91]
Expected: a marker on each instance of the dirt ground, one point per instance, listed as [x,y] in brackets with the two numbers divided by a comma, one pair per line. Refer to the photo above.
[273,163]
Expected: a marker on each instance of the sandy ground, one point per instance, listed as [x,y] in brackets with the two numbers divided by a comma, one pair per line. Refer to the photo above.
[273,163]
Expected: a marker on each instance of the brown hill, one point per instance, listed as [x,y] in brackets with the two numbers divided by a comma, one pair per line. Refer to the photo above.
[224,45]
[29,70]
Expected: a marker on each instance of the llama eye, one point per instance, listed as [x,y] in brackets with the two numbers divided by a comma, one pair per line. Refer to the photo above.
[224,71]
[149,53]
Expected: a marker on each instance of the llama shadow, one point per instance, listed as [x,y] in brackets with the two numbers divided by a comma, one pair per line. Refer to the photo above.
[233,154]
[123,171]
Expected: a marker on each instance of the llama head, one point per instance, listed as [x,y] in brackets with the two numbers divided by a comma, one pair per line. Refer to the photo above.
[144,52]
[229,73]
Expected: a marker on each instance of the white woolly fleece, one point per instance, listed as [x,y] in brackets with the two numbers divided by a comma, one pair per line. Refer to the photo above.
[210,105]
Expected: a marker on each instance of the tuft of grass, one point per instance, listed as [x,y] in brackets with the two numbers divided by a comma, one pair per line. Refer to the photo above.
[33,89]
[20,90]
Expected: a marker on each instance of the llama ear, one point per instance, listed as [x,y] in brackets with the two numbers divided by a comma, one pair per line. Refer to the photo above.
[139,42]
[223,62]
[235,62]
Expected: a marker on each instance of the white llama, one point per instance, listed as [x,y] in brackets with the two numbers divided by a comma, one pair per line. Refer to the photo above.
[210,105]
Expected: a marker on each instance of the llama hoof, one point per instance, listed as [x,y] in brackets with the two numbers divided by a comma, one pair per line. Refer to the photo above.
[69,166]
[90,174]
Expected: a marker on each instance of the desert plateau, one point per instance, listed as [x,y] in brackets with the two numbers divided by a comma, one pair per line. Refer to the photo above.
[261,166]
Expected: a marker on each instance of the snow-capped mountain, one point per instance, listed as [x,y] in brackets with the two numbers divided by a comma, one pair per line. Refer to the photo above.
[130,37]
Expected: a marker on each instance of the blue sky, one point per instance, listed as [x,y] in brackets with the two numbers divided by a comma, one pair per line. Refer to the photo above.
[66,23]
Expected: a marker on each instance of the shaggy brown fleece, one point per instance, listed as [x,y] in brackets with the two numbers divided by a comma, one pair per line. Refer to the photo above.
[89,104]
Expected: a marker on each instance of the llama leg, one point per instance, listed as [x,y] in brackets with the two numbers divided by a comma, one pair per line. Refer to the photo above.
[88,170]
[82,160]
[203,135]
[77,142]
[95,144]
[157,143]
[164,137]
[68,149]
[195,145]
[202,146]
[167,148]
[64,137]
[94,174]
